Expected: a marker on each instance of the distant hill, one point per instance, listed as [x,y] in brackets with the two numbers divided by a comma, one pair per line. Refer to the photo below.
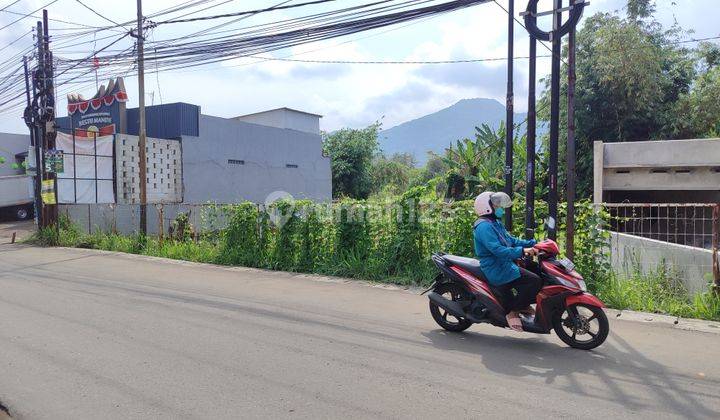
[435,132]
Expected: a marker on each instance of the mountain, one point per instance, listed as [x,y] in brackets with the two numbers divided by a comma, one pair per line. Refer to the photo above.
[434,132]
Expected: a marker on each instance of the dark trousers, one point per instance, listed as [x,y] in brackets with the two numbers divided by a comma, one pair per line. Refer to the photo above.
[525,289]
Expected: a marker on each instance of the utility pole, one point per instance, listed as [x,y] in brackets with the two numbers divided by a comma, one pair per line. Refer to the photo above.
[554,120]
[44,104]
[570,192]
[38,83]
[30,121]
[48,115]
[531,134]
[142,134]
[509,123]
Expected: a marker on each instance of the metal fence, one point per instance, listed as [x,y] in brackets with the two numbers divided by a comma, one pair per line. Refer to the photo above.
[681,239]
[693,225]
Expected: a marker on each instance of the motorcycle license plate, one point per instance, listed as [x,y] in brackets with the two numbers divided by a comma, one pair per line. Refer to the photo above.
[567,264]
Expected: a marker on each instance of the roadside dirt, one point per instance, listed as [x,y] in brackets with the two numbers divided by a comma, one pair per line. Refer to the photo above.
[22,229]
[4,414]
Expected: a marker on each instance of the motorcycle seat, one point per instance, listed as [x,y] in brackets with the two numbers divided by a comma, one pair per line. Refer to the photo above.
[471,265]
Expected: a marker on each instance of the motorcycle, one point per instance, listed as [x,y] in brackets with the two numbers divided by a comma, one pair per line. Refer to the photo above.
[461,296]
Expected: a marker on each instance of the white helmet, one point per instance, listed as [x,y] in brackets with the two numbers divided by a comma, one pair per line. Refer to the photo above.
[487,201]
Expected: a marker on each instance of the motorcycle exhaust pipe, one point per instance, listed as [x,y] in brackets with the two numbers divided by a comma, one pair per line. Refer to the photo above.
[452,307]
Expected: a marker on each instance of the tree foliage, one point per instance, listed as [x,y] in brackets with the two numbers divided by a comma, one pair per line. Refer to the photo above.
[478,164]
[351,152]
[393,175]
[640,9]
[697,113]
[631,75]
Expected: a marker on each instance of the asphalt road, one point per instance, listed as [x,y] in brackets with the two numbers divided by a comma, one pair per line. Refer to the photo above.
[90,335]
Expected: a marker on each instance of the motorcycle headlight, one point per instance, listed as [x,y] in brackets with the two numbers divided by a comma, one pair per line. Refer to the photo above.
[582,285]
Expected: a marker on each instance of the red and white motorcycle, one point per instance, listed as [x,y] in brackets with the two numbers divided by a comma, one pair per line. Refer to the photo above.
[461,296]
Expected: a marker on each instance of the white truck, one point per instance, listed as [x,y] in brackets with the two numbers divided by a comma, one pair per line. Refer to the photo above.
[16,196]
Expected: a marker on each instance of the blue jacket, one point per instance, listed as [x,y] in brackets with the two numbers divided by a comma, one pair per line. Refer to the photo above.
[497,251]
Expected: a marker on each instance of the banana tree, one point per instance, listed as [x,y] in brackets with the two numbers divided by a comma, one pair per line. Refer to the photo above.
[481,162]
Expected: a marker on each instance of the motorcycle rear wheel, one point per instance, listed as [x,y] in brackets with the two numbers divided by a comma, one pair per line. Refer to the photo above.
[441,316]
[590,321]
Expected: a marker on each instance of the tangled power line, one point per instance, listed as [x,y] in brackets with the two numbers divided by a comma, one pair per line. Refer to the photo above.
[215,44]
[219,43]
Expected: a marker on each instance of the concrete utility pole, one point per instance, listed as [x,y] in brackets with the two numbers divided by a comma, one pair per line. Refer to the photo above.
[530,146]
[40,133]
[142,134]
[509,109]
[30,122]
[554,120]
[570,192]
[43,110]
[48,116]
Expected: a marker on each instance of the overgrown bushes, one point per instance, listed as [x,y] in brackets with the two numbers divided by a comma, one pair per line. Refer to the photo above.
[657,292]
[389,241]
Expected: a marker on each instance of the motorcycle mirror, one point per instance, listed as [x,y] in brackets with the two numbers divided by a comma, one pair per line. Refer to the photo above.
[550,223]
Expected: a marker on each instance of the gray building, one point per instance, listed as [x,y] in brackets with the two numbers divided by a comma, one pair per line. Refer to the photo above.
[229,160]
[249,157]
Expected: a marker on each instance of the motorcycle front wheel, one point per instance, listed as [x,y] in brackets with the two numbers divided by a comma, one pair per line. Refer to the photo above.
[582,326]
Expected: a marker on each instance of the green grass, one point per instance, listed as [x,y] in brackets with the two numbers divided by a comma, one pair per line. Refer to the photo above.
[657,292]
[377,253]
[202,251]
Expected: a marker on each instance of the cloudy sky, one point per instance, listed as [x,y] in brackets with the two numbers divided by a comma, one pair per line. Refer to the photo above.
[347,95]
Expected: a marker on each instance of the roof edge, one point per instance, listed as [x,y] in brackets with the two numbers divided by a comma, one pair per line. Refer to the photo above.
[285,108]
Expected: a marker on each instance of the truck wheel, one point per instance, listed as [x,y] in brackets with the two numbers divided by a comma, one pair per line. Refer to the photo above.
[22,213]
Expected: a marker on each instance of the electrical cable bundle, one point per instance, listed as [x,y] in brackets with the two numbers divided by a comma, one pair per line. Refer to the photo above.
[186,52]
[214,44]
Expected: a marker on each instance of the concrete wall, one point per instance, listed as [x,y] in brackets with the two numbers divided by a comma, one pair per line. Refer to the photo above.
[662,153]
[692,266]
[125,218]
[233,161]
[10,145]
[662,165]
[285,118]
[649,179]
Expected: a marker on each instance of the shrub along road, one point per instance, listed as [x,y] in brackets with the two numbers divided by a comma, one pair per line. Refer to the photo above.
[86,334]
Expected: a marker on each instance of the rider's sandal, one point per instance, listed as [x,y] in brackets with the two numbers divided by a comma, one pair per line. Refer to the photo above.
[514,322]
[529,311]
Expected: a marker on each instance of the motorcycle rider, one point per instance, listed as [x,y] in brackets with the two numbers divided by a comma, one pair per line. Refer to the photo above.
[497,251]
